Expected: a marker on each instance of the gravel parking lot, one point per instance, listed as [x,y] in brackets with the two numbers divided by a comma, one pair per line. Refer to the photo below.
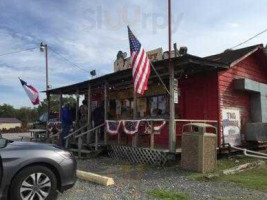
[133,182]
[16,136]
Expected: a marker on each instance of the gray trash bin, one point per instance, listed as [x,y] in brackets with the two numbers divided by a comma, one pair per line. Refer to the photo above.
[199,148]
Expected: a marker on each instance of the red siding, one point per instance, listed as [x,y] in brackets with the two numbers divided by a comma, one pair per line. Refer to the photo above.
[252,68]
[199,96]
[203,96]
[198,100]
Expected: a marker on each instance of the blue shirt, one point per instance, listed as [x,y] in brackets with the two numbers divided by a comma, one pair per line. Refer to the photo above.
[66,116]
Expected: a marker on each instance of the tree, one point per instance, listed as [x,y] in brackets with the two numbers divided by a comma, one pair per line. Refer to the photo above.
[7,111]
[54,103]
[26,115]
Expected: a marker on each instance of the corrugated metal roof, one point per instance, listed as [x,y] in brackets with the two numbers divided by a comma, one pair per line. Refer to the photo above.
[230,56]
[9,120]
[185,62]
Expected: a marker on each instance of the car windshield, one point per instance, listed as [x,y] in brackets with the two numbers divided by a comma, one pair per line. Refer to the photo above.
[3,143]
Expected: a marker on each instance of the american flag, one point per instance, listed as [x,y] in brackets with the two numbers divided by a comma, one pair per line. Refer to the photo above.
[139,63]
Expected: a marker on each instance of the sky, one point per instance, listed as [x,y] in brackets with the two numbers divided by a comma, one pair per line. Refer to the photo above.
[90,33]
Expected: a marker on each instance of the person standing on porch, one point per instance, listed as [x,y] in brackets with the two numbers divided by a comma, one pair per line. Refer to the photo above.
[83,114]
[98,119]
[66,121]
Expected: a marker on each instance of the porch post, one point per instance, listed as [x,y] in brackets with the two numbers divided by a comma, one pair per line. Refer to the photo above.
[152,138]
[106,112]
[135,136]
[172,129]
[89,112]
[77,107]
[60,105]
[48,111]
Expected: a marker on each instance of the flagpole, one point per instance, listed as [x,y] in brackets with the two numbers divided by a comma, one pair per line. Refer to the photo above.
[172,129]
[163,84]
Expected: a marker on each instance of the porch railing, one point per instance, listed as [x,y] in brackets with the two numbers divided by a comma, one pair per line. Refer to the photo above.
[153,132]
[53,138]
[96,130]
[181,122]
[184,121]
[79,134]
[73,134]
[147,123]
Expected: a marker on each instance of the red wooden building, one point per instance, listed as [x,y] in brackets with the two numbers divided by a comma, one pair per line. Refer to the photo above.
[206,95]
[226,89]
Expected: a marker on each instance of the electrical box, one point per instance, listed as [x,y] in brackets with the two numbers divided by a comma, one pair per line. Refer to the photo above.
[256,132]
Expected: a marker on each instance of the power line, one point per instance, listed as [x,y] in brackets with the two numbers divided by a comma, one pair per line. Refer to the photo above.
[60,55]
[66,59]
[249,39]
[18,51]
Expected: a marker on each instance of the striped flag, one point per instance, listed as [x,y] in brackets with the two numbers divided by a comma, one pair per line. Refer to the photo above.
[139,63]
[31,92]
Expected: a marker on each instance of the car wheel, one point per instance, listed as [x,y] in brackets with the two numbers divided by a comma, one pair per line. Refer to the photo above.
[34,183]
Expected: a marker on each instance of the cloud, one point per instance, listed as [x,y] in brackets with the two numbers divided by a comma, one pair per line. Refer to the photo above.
[233,25]
[85,32]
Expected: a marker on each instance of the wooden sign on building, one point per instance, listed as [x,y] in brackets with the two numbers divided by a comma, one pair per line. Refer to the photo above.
[122,64]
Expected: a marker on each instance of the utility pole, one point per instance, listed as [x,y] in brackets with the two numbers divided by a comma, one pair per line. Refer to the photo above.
[172,129]
[43,48]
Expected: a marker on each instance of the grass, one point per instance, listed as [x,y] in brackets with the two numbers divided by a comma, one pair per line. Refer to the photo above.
[227,163]
[255,179]
[168,195]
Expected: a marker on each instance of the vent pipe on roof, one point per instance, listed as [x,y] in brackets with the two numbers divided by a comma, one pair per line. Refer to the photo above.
[227,50]
[265,50]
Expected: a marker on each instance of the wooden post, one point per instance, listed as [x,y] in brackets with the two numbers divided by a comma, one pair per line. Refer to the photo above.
[152,141]
[106,112]
[135,136]
[89,117]
[77,108]
[97,131]
[67,143]
[95,178]
[119,138]
[79,147]
[172,129]
[60,106]
[59,117]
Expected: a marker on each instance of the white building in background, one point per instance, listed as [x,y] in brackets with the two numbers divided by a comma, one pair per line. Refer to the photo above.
[8,123]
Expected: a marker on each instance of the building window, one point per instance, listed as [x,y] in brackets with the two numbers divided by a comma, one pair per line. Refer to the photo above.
[158,106]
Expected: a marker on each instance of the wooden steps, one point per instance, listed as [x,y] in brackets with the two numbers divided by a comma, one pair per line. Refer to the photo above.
[86,152]
[82,151]
[78,144]
[99,145]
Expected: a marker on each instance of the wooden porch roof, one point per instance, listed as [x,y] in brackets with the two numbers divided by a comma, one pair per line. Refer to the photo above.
[187,64]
